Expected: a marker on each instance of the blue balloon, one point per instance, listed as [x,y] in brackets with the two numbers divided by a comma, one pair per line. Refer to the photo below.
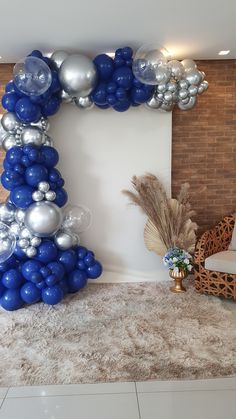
[52,295]
[30,294]
[51,107]
[57,269]
[18,168]
[111,87]
[89,259]
[11,179]
[95,270]
[61,197]
[141,94]
[81,265]
[81,252]
[35,174]
[41,99]
[9,101]
[68,258]
[122,105]
[45,271]
[2,289]
[119,62]
[10,87]
[123,76]
[54,175]
[77,280]
[12,279]
[25,161]
[64,286]
[50,156]
[36,53]
[11,300]
[47,251]
[55,86]
[30,267]
[111,99]
[21,196]
[11,262]
[14,155]
[99,94]
[27,111]
[127,53]
[19,253]
[6,165]
[51,280]
[121,93]
[104,65]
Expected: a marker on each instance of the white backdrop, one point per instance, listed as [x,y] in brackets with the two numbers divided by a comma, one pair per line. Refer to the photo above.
[100,150]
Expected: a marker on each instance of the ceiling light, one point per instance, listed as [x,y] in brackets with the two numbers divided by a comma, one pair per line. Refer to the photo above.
[224,52]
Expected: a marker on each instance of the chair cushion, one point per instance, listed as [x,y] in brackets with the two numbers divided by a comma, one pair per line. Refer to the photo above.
[232,245]
[222,262]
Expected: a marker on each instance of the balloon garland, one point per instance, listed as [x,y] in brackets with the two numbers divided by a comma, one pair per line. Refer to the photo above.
[40,253]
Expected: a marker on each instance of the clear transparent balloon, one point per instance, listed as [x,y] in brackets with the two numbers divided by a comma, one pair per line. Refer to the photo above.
[150,64]
[32,76]
[76,218]
[7,242]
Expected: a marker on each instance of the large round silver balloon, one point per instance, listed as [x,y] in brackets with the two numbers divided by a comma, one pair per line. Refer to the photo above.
[78,75]
[176,68]
[84,102]
[9,142]
[33,135]
[43,219]
[7,212]
[194,77]
[64,240]
[10,122]
[7,242]
[58,57]
[153,102]
[186,106]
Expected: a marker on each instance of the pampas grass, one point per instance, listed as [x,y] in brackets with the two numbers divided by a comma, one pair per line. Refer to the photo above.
[171,218]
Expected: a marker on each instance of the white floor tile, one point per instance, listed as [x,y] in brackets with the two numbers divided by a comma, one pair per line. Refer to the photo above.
[186,385]
[71,389]
[3,392]
[186,405]
[103,406]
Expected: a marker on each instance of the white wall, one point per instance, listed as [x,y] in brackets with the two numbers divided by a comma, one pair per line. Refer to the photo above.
[100,150]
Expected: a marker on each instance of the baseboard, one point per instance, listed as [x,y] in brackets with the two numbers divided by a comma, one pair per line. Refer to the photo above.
[109,276]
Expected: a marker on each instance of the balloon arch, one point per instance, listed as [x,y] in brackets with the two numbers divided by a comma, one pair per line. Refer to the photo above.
[40,253]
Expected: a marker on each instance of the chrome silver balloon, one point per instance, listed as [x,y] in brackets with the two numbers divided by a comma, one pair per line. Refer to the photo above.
[20,215]
[15,228]
[76,240]
[58,57]
[78,75]
[153,102]
[3,133]
[64,240]
[25,234]
[42,124]
[23,243]
[183,84]
[37,196]
[160,96]
[7,212]
[162,87]
[43,186]
[163,74]
[202,87]
[194,77]
[10,122]
[9,142]
[48,141]
[176,68]
[31,251]
[33,135]
[172,86]
[188,64]
[193,90]
[43,219]
[65,97]
[50,195]
[168,107]
[183,93]
[84,102]
[168,97]
[35,241]
[186,106]
[7,242]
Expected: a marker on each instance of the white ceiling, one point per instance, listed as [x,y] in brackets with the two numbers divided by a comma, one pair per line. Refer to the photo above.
[188,28]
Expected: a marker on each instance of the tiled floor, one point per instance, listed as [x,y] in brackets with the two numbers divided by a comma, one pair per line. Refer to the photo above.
[199,399]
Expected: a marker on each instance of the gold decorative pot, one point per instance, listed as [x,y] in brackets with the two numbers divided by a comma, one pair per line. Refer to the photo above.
[178,278]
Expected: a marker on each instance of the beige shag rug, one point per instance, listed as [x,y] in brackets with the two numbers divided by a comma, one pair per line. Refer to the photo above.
[120,332]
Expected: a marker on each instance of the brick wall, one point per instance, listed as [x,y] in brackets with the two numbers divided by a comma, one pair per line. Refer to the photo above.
[204,143]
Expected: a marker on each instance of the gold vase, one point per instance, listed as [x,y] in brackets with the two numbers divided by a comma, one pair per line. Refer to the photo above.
[178,278]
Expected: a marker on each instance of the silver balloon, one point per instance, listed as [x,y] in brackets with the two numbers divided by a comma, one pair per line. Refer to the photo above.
[48,141]
[183,93]
[3,133]
[23,243]
[43,186]
[10,122]
[15,228]
[183,84]
[31,251]
[37,196]
[78,75]
[76,218]
[193,90]
[154,103]
[25,234]
[64,240]
[202,87]
[42,124]
[162,87]
[84,102]
[160,96]
[168,97]
[76,240]
[188,64]
[168,107]
[43,219]
[20,215]
[33,135]
[172,86]
[7,242]
[50,195]
[65,97]
[35,241]
[7,212]
[194,77]
[9,142]
[58,57]
[176,68]
[186,106]
[185,100]
[163,74]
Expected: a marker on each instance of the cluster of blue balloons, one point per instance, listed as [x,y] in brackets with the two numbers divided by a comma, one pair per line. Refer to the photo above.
[31,108]
[25,167]
[117,87]
[48,277]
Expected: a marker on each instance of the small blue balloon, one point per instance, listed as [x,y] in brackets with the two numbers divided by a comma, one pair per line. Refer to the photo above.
[111,99]
[9,101]
[30,267]
[45,271]
[11,300]
[6,165]
[51,280]
[47,251]
[25,161]
[123,76]
[121,93]
[122,105]
[27,111]
[104,65]
[36,53]
[19,253]
[81,252]
[41,99]
[141,94]
[81,265]
[99,94]
[111,87]
[55,86]
[61,197]
[77,280]
[54,175]
[50,156]
[21,196]
[11,179]
[14,155]
[12,279]
[10,87]
[127,53]
[51,107]
[68,258]
[10,263]
[52,295]
[57,269]
[89,260]
[2,289]
[30,294]
[35,174]
[64,286]
[95,270]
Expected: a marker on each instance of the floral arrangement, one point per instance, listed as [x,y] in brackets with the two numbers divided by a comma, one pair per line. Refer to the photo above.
[176,259]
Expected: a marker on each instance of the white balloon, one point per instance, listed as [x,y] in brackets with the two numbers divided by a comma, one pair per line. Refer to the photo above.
[58,57]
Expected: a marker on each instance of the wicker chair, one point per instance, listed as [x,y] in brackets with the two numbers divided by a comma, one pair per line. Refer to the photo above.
[211,242]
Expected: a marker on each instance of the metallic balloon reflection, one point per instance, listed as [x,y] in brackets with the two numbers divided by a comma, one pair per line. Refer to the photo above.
[43,219]
[7,242]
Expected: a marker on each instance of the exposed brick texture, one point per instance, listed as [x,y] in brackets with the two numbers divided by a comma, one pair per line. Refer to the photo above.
[204,145]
